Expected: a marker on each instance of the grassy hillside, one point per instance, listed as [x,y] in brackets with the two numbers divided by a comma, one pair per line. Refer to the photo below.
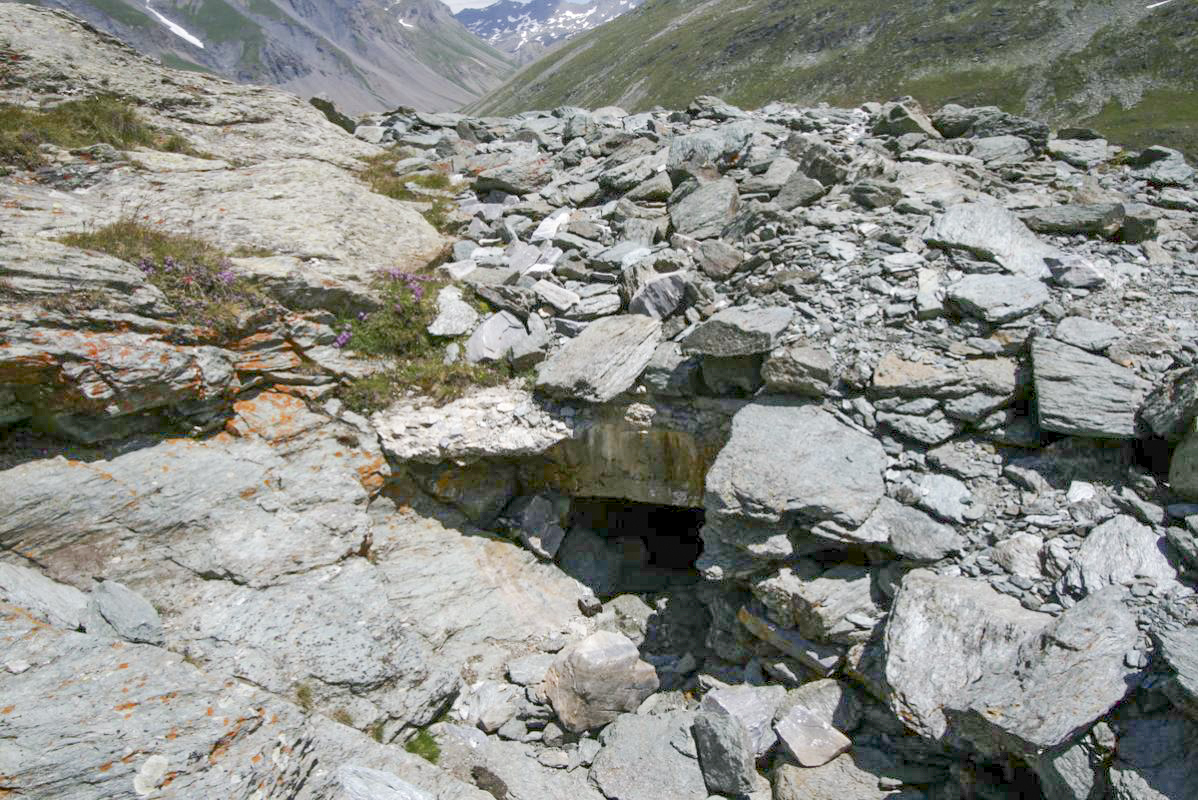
[1130,70]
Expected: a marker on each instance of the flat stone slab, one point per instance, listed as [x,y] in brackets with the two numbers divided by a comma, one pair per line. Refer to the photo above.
[994,234]
[603,361]
[739,332]
[1082,394]
[998,298]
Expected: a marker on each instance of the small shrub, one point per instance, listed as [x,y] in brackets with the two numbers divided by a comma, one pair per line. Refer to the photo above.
[303,696]
[377,730]
[332,114]
[424,744]
[343,716]
[196,277]
[398,331]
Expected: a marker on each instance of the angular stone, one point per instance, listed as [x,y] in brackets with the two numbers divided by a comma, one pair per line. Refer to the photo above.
[739,331]
[787,463]
[970,628]
[1075,272]
[1183,468]
[1179,649]
[831,701]
[455,316]
[820,658]
[998,298]
[731,375]
[48,600]
[559,297]
[649,757]
[810,739]
[1088,334]
[860,774]
[495,338]
[519,176]
[598,679]
[1082,154]
[800,369]
[1162,166]
[538,520]
[530,670]
[1104,219]
[902,117]
[1117,551]
[602,361]
[753,707]
[944,496]
[1002,151]
[725,752]
[659,298]
[488,704]
[116,609]
[1173,405]
[1061,682]
[826,605]
[992,233]
[1081,394]
[718,259]
[908,532]
[1156,758]
[895,375]
[800,190]
[359,783]
[705,211]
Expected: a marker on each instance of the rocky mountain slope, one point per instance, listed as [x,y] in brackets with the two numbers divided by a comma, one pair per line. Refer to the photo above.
[364,56]
[1121,65]
[525,30]
[851,453]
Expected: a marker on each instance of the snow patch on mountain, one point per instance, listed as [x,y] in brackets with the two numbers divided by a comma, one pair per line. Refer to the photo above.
[527,29]
[176,28]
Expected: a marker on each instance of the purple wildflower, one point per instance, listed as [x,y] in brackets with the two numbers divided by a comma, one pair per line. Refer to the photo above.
[226,276]
[342,339]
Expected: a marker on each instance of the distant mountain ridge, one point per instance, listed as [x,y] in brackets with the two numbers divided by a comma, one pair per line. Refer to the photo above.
[526,30]
[1126,67]
[362,54]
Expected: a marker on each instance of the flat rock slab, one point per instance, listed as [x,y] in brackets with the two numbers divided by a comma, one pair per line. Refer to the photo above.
[809,738]
[944,633]
[1119,550]
[1081,394]
[707,210]
[793,463]
[998,298]
[992,233]
[603,361]
[739,332]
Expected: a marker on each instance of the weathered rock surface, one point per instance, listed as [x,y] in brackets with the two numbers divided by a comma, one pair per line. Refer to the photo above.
[1083,394]
[970,627]
[645,757]
[604,360]
[992,233]
[1117,551]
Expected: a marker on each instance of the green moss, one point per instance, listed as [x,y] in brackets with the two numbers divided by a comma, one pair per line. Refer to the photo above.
[303,696]
[332,114]
[377,730]
[76,123]
[177,62]
[343,716]
[196,277]
[424,744]
[379,174]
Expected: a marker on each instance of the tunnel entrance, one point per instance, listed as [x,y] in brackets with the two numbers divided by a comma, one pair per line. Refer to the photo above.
[617,546]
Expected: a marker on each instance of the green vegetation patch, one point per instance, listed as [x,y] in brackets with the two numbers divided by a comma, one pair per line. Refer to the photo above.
[196,277]
[102,119]
[424,744]
[379,174]
[399,332]
[332,114]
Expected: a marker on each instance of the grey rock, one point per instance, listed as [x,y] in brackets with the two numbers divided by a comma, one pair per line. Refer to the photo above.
[787,462]
[114,607]
[598,679]
[1173,405]
[1075,272]
[970,627]
[530,670]
[659,298]
[1156,759]
[48,600]
[1179,649]
[826,605]
[538,520]
[998,298]
[809,738]
[704,211]
[1088,334]
[753,707]
[1118,550]
[944,495]
[648,757]
[820,658]
[1062,681]
[1072,772]
[718,259]
[1162,166]
[1183,467]
[519,176]
[800,369]
[670,372]
[1002,151]
[455,316]
[603,361]
[860,774]
[488,705]
[593,560]
[931,429]
[799,190]
[725,752]
[1082,394]
[909,532]
[992,233]
[739,331]
[494,339]
[904,116]
[731,375]
[1082,154]
[560,298]
[832,701]
[1103,219]
[360,783]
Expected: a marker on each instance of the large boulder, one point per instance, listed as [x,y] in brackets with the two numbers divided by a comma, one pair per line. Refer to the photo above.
[943,634]
[703,211]
[598,679]
[790,465]
[992,233]
[1082,394]
[602,361]
[998,298]
[1061,681]
[1119,550]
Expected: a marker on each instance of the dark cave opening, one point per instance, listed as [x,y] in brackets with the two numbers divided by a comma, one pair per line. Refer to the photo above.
[657,536]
